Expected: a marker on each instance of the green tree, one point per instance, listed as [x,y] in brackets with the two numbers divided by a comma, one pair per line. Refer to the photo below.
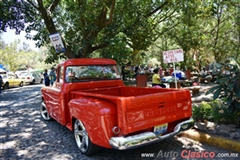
[9,56]
[206,30]
[126,29]
[17,59]
[85,26]
[227,87]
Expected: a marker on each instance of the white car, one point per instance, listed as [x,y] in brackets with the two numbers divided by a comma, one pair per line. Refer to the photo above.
[19,73]
[32,78]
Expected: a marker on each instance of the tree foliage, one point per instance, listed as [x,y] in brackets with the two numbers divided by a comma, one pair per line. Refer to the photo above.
[206,30]
[228,86]
[86,26]
[15,58]
[130,29]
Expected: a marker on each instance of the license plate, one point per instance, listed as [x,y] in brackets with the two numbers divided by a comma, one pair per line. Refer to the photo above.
[160,129]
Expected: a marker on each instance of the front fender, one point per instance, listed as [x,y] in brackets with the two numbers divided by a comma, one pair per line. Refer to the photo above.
[99,116]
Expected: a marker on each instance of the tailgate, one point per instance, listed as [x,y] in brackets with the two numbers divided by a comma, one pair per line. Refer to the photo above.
[143,112]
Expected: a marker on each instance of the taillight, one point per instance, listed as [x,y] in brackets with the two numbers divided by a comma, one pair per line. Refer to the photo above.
[28,77]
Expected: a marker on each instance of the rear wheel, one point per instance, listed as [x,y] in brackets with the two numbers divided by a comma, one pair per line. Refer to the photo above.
[6,86]
[21,84]
[44,112]
[82,140]
[33,82]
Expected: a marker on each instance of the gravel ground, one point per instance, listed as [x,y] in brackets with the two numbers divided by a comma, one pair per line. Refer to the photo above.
[24,135]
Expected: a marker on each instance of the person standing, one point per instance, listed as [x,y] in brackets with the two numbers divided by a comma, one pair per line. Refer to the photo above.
[156,80]
[136,71]
[52,76]
[123,73]
[46,78]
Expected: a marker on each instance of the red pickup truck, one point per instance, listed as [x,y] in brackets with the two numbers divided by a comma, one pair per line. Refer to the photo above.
[90,99]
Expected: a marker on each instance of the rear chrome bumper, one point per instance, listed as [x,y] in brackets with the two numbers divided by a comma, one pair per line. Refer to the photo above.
[124,143]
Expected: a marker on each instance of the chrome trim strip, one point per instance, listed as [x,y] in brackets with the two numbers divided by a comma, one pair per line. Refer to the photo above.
[124,143]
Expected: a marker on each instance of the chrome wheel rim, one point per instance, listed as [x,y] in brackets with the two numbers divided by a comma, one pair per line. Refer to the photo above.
[44,112]
[81,136]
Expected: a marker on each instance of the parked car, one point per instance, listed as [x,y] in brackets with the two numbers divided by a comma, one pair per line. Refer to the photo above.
[11,80]
[31,77]
[19,73]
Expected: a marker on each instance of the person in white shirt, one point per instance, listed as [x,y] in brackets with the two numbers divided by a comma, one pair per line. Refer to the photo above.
[203,73]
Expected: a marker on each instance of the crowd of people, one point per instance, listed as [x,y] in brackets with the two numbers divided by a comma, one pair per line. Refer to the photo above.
[156,73]
[133,71]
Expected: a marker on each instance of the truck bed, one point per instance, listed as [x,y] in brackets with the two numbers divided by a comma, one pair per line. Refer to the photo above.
[143,108]
[125,91]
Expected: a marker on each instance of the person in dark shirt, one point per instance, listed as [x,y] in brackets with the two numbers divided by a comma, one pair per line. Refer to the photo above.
[46,78]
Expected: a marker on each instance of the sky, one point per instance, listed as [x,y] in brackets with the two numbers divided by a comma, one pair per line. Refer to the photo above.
[10,36]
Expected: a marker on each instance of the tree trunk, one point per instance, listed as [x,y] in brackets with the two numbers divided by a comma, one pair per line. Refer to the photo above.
[51,26]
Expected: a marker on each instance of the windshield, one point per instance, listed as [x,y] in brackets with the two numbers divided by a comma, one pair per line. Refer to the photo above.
[25,74]
[22,73]
[96,72]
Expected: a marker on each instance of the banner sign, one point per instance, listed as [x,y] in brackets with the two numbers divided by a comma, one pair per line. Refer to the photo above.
[57,42]
[172,56]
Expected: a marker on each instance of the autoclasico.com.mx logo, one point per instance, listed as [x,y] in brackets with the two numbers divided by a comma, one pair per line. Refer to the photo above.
[189,154]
